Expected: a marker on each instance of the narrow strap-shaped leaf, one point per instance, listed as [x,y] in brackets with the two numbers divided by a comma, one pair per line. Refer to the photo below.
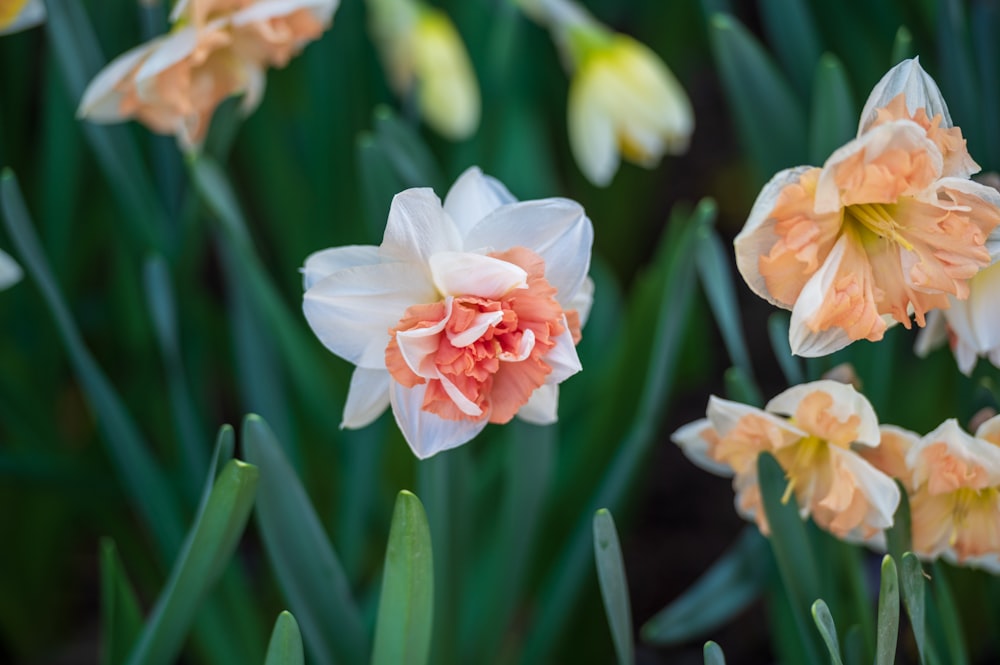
[379,183]
[406,607]
[411,159]
[897,537]
[985,24]
[888,614]
[713,654]
[307,568]
[777,332]
[827,629]
[121,618]
[741,388]
[955,57]
[902,45]
[792,34]
[208,548]
[285,647]
[912,583]
[949,621]
[733,582]
[834,116]
[614,585]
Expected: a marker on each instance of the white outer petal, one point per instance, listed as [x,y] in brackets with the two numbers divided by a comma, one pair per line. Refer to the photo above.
[352,310]
[592,138]
[31,15]
[562,357]
[802,340]
[881,491]
[962,445]
[909,78]
[542,408]
[695,447]
[367,397]
[262,10]
[758,237]
[990,431]
[932,335]
[10,271]
[256,81]
[847,402]
[417,228]
[556,229]
[426,433]
[465,273]
[473,196]
[324,263]
[724,414]
[582,301]
[170,49]
[100,101]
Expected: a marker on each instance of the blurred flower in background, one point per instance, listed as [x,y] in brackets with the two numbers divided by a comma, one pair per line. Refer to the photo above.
[10,271]
[424,56]
[16,15]
[215,49]
[888,228]
[466,314]
[814,430]
[623,100]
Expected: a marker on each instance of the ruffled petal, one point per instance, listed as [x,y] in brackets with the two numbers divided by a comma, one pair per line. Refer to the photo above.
[418,228]
[695,441]
[352,311]
[845,403]
[426,433]
[468,274]
[473,196]
[919,89]
[324,263]
[419,345]
[542,408]
[367,397]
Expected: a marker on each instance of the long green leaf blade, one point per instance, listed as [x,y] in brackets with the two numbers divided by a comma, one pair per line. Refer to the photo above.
[285,647]
[713,654]
[827,629]
[121,617]
[913,586]
[834,117]
[614,585]
[888,614]
[406,608]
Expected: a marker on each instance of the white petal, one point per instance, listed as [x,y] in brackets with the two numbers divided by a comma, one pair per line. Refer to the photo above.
[562,357]
[352,310]
[724,414]
[325,262]
[367,397]
[426,433]
[263,10]
[468,274]
[558,230]
[30,15]
[256,81]
[847,402]
[179,9]
[170,49]
[695,447]
[419,346]
[591,132]
[933,335]
[802,340]
[582,301]
[881,491]
[473,196]
[417,228]
[464,404]
[990,431]
[909,78]
[527,345]
[542,407]
[10,271]
[480,324]
[758,236]
[100,101]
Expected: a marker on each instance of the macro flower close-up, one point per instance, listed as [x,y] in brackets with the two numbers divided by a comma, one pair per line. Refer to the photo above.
[814,430]
[468,312]
[885,231]
[216,49]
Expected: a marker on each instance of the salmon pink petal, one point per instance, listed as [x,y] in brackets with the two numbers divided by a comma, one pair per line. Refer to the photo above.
[465,273]
[844,403]
[695,441]
[918,88]
[542,408]
[873,504]
[473,196]
[418,228]
[324,263]
[480,324]
[725,414]
[464,404]
[426,433]
[101,101]
[524,350]
[367,397]
[352,310]
[419,345]
[558,230]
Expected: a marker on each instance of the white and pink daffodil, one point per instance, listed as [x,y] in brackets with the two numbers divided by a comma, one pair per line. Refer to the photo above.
[17,15]
[216,49]
[889,228]
[814,430]
[468,312]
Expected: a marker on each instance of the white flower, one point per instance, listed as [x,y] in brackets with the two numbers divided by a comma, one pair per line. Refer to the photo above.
[17,15]
[10,272]
[467,313]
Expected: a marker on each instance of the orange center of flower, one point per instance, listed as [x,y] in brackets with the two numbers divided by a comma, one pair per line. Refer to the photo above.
[488,357]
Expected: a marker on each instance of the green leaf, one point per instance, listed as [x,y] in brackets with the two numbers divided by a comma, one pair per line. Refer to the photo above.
[713,654]
[379,183]
[769,118]
[285,647]
[888,614]
[121,618]
[955,58]
[208,548]
[614,585]
[911,578]
[949,620]
[406,608]
[791,31]
[834,118]
[902,45]
[897,537]
[827,629]
[307,568]
[777,332]
[411,159]
[733,582]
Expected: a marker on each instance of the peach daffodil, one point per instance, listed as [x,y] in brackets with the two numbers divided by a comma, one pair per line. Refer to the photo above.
[814,430]
[216,49]
[887,229]
[17,15]
[468,312]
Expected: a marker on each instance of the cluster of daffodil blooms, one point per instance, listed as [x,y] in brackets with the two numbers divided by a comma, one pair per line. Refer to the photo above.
[891,228]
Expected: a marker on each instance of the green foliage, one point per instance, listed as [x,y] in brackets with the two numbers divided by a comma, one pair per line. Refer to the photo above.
[614,585]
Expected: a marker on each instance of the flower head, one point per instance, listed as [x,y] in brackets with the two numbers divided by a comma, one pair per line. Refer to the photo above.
[16,15]
[814,431]
[216,49]
[888,228]
[424,55]
[467,313]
